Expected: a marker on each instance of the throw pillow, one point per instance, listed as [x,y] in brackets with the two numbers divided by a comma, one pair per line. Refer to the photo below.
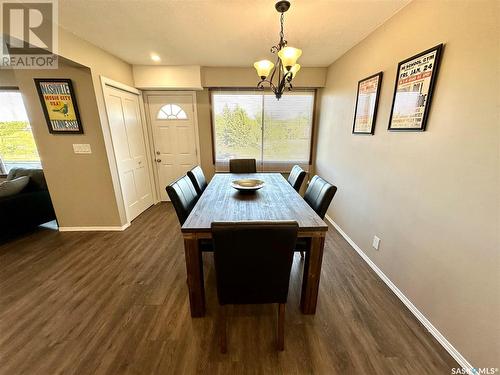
[12,187]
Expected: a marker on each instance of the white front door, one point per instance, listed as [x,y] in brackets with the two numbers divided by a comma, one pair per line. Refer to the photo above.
[175,136]
[130,149]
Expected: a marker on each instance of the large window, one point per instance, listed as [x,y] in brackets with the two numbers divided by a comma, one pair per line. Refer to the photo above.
[17,146]
[254,124]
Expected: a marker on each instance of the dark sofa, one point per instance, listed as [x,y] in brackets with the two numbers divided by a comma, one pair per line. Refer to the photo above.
[31,207]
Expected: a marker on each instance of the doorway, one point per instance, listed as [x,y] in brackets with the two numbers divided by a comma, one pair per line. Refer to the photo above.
[129,144]
[174,124]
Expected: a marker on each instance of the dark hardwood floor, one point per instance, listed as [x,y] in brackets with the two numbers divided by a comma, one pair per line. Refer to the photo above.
[117,303]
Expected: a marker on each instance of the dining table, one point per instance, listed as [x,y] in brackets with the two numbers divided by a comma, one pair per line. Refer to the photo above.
[275,201]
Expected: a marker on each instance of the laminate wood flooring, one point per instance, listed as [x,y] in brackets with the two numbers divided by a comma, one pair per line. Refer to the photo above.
[117,303]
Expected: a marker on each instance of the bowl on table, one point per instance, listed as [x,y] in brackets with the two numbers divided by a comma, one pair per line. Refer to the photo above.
[247,184]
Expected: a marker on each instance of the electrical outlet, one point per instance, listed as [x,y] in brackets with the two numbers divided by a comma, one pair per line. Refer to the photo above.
[376,242]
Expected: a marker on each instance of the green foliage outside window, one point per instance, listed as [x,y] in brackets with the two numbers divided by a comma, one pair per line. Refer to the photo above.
[238,134]
[16,142]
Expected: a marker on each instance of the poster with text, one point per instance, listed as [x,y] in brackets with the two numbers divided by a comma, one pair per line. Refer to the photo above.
[365,112]
[59,105]
[413,92]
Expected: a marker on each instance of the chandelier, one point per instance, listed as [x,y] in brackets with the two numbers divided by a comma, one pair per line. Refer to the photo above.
[286,68]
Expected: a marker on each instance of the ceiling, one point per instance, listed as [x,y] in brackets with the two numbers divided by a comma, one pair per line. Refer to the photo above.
[223,32]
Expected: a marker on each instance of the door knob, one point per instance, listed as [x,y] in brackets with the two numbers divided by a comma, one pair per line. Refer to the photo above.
[157,152]
[158,160]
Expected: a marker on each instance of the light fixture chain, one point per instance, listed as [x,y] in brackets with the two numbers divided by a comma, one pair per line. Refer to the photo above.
[283,74]
[282,32]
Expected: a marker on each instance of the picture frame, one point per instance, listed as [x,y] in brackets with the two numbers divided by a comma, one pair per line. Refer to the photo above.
[59,105]
[413,90]
[365,111]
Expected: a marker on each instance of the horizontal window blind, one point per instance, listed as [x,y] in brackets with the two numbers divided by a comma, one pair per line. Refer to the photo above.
[254,124]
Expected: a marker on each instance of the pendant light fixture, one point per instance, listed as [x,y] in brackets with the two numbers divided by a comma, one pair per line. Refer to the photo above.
[279,76]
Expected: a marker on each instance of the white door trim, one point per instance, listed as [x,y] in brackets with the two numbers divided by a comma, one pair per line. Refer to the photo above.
[146,95]
[107,82]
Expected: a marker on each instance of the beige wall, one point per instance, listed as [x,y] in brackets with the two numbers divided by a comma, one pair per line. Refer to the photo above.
[247,77]
[167,77]
[97,202]
[432,197]
[7,78]
[205,132]
[80,185]
[101,63]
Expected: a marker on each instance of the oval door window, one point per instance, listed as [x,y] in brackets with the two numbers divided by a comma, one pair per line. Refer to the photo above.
[171,112]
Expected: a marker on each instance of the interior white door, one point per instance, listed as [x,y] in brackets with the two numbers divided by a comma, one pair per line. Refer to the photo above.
[174,133]
[130,149]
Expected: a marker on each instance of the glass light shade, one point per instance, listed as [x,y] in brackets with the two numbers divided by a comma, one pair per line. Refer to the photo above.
[294,70]
[289,56]
[263,68]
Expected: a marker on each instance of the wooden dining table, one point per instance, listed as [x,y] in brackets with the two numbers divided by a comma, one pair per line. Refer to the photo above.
[276,201]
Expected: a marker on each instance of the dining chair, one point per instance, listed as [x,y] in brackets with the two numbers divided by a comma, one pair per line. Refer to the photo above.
[198,179]
[183,196]
[319,195]
[242,166]
[296,177]
[252,266]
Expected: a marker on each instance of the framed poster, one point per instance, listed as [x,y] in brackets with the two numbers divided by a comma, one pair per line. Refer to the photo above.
[413,90]
[365,112]
[59,105]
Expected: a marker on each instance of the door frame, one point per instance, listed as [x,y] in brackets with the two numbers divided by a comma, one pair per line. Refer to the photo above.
[150,93]
[105,83]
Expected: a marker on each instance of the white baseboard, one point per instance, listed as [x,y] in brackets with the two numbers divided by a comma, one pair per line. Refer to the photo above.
[425,322]
[94,229]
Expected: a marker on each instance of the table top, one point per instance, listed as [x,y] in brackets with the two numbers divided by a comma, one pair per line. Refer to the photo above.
[277,200]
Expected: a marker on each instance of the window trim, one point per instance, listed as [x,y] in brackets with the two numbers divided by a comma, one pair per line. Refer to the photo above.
[9,88]
[314,90]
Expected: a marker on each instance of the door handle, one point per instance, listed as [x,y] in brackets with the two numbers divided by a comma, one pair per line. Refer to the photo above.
[158,160]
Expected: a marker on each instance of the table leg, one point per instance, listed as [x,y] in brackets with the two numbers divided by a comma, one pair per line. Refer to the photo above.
[194,269]
[312,273]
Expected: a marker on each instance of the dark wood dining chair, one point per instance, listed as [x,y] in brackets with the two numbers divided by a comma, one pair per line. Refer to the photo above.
[296,177]
[319,195]
[198,179]
[183,196]
[242,166]
[252,266]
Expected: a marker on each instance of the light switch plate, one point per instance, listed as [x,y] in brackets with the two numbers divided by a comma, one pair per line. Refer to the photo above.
[376,242]
[82,148]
